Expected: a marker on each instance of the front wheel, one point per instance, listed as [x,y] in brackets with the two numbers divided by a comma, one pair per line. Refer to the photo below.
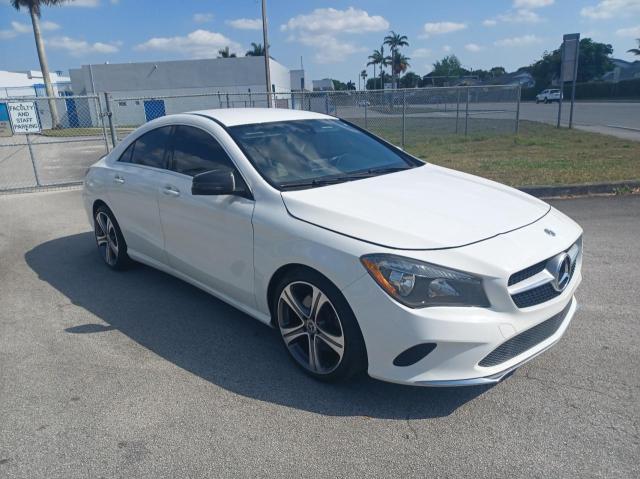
[318,328]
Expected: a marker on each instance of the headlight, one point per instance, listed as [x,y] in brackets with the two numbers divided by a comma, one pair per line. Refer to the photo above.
[417,285]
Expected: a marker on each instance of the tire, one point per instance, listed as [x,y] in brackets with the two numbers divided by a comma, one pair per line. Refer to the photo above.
[109,239]
[546,101]
[537,101]
[329,326]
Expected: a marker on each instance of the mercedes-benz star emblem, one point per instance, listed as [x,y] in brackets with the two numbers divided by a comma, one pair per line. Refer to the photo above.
[560,268]
[549,232]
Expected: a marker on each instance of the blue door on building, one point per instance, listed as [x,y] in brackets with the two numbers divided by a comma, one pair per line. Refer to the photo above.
[153,109]
[72,113]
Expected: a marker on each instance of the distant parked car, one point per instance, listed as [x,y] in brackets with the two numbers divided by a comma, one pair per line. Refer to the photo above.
[364,103]
[547,96]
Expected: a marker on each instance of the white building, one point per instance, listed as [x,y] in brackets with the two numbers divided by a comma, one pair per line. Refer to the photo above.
[143,91]
[31,83]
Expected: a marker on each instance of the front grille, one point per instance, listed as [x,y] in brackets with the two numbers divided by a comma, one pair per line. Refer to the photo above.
[543,293]
[538,295]
[525,340]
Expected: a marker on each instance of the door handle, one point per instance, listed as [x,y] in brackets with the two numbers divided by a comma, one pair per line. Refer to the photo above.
[171,191]
[118,179]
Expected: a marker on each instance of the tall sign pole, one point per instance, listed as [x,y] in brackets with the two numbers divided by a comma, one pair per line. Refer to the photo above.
[265,39]
[570,52]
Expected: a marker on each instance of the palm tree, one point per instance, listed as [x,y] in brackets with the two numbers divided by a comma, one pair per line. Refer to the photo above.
[395,41]
[34,11]
[351,85]
[400,63]
[376,58]
[363,75]
[256,50]
[224,53]
[635,51]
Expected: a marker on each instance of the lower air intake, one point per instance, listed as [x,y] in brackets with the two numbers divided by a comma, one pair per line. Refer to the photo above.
[525,340]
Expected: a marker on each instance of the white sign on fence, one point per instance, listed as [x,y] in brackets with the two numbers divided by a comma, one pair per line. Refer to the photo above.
[24,117]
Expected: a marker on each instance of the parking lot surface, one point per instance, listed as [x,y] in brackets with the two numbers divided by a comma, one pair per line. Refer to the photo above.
[137,374]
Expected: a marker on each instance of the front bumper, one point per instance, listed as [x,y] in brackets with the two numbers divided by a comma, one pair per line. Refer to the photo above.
[464,336]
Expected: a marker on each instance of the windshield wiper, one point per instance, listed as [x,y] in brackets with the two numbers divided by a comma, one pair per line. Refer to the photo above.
[332,180]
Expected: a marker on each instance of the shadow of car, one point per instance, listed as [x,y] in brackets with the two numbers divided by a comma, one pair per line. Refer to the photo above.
[214,341]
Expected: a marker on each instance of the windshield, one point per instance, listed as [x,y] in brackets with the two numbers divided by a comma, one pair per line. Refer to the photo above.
[307,153]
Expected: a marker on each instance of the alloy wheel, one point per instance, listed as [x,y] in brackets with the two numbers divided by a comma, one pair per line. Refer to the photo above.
[310,327]
[107,238]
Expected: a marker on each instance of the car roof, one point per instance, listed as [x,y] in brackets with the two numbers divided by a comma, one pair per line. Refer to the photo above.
[247,116]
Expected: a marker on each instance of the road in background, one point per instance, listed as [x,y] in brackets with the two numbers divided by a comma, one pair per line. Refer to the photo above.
[138,374]
[621,119]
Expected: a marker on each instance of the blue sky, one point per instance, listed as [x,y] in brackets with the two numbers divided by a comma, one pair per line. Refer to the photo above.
[333,37]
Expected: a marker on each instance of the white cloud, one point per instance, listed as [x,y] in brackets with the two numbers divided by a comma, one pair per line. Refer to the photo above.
[633,32]
[78,48]
[446,48]
[18,28]
[532,3]
[420,53]
[245,23]
[490,23]
[202,17]
[322,20]
[440,28]
[518,41]
[323,28]
[611,8]
[197,44]
[473,47]
[519,16]
[83,3]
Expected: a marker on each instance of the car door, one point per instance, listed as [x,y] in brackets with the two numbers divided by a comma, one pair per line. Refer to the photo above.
[208,238]
[136,177]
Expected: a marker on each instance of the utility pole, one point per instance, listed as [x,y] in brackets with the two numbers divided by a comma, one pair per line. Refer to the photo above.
[265,39]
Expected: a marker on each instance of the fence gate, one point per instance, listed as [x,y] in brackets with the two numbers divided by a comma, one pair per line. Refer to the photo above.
[49,141]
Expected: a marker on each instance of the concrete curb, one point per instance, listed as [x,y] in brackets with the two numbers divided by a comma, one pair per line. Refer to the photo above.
[587,189]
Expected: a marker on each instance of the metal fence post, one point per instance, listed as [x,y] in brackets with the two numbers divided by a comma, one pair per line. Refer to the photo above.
[365,115]
[457,109]
[518,109]
[104,126]
[326,103]
[227,100]
[466,114]
[107,102]
[404,114]
[33,160]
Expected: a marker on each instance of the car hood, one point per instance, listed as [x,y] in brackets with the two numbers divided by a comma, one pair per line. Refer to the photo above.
[428,207]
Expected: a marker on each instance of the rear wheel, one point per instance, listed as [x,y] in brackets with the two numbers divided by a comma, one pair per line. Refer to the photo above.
[318,328]
[109,239]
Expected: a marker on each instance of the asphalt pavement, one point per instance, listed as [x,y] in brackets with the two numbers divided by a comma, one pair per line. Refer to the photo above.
[137,374]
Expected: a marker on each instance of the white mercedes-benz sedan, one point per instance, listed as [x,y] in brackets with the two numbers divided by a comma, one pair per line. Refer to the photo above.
[362,256]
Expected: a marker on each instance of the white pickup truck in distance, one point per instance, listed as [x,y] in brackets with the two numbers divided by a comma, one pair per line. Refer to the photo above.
[547,96]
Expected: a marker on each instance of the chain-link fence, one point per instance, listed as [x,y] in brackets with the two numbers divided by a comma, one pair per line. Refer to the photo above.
[405,117]
[49,141]
[75,131]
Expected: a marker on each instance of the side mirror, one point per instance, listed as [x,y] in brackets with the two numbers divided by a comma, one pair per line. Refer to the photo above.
[215,182]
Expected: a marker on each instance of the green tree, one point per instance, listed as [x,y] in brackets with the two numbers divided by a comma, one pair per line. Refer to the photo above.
[410,80]
[34,8]
[593,62]
[350,85]
[377,83]
[635,51]
[225,53]
[497,72]
[395,41]
[257,50]
[445,69]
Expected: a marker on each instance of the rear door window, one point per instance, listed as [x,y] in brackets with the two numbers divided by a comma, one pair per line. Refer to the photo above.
[150,149]
[196,151]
